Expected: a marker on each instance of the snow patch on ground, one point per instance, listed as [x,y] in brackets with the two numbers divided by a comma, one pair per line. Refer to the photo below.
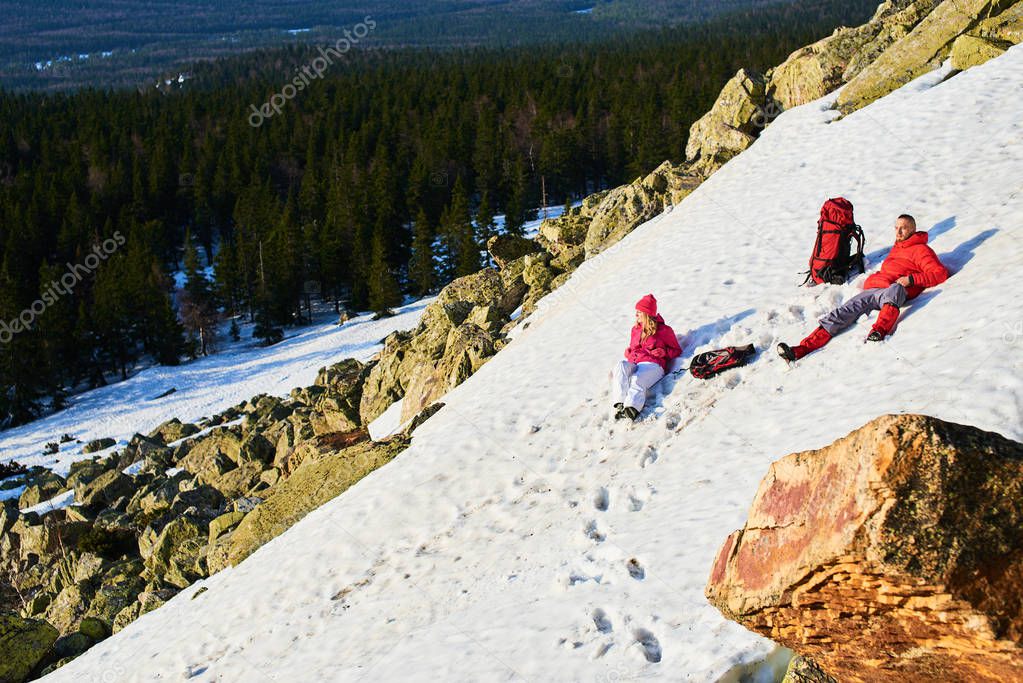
[202,387]
[388,424]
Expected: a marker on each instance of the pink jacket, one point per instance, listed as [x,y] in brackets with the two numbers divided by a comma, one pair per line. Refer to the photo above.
[661,347]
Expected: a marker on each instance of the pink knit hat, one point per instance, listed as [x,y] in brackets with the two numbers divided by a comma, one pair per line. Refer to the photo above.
[648,305]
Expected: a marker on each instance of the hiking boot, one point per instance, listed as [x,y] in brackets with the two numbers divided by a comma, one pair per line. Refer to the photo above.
[816,340]
[618,406]
[630,412]
[786,352]
[875,336]
[885,323]
[620,414]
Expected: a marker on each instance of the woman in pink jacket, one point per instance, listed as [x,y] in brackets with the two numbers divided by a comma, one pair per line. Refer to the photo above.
[652,348]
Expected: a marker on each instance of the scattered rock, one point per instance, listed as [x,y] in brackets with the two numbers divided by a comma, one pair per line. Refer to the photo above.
[98,445]
[41,488]
[422,417]
[173,430]
[803,670]
[894,554]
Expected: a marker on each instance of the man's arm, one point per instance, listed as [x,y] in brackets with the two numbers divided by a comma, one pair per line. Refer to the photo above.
[932,271]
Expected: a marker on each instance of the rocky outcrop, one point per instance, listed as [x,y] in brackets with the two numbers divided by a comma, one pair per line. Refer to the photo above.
[732,124]
[134,540]
[625,207]
[922,49]
[458,332]
[317,480]
[818,69]
[895,554]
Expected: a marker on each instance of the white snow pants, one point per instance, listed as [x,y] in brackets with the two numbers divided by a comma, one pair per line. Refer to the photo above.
[629,382]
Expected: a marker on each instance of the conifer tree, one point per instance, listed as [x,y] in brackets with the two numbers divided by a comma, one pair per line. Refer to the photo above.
[198,309]
[383,288]
[422,268]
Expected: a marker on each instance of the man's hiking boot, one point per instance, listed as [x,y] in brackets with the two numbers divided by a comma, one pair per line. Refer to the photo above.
[814,341]
[630,412]
[618,406]
[885,323]
[875,336]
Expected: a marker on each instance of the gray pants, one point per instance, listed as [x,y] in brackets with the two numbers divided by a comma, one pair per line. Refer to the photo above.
[866,301]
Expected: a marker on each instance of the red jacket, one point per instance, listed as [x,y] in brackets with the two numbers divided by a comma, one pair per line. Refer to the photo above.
[661,347]
[913,257]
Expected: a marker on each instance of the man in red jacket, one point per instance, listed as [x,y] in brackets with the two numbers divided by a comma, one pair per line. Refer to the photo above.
[911,267]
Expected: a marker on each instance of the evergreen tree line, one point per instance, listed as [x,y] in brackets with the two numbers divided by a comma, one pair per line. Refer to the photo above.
[379,180]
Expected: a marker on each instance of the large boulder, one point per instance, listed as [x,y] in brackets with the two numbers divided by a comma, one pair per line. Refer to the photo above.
[894,554]
[506,248]
[41,488]
[316,481]
[24,643]
[1006,27]
[468,347]
[336,408]
[213,452]
[919,51]
[173,430]
[969,51]
[173,554]
[386,381]
[104,490]
[731,125]
[84,471]
[98,445]
[67,609]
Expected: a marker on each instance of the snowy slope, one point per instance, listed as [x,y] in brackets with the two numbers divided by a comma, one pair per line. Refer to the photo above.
[202,388]
[525,535]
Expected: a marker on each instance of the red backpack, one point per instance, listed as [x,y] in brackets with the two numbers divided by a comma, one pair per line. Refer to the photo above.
[832,256]
[710,363]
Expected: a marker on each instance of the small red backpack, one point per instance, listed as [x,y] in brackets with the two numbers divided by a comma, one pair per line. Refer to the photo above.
[832,256]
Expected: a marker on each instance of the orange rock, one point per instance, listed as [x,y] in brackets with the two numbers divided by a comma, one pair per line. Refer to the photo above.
[894,554]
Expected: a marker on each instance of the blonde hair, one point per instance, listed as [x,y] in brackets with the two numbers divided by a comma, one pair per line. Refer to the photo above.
[648,324]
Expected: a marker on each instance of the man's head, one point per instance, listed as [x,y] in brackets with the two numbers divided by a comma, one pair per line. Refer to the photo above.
[905,226]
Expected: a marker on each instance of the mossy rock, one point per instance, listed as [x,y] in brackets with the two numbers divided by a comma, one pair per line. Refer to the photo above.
[970,51]
[314,483]
[98,445]
[104,490]
[922,49]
